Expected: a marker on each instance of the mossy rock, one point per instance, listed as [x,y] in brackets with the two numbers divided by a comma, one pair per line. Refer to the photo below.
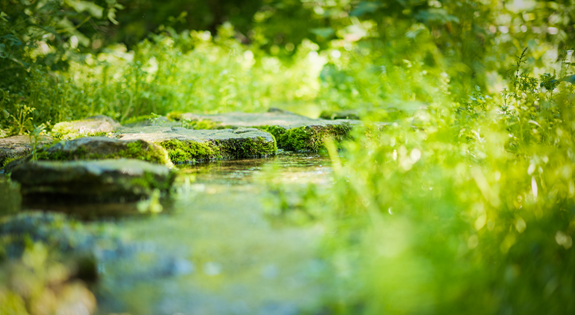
[185,145]
[16,147]
[98,148]
[291,131]
[92,181]
[99,125]
[343,114]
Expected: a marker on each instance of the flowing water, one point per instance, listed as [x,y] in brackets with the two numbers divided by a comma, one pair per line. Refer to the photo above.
[220,245]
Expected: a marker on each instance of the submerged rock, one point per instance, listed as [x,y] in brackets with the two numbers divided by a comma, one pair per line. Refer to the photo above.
[15,147]
[92,181]
[91,126]
[291,131]
[185,145]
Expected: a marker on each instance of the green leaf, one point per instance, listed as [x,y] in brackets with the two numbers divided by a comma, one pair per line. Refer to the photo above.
[85,6]
[324,32]
[365,7]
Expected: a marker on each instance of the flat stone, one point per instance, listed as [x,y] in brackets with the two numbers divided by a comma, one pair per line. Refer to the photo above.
[17,146]
[292,131]
[98,148]
[336,115]
[187,145]
[90,126]
[92,181]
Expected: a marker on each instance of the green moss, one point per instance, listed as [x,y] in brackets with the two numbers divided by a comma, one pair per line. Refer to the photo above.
[245,148]
[139,149]
[190,151]
[307,138]
[200,124]
[175,116]
[8,160]
[137,119]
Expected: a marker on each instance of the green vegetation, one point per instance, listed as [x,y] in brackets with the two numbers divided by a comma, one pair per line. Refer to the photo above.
[463,203]
[306,139]
[192,151]
[136,149]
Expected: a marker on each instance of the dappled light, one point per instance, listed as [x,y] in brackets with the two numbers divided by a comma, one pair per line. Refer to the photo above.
[287,157]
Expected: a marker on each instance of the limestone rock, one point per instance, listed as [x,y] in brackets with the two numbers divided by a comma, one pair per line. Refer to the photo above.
[90,126]
[92,181]
[292,131]
[335,115]
[186,145]
[98,148]
[16,147]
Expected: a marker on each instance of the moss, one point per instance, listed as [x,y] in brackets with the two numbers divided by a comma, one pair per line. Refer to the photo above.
[307,138]
[245,148]
[137,149]
[137,119]
[175,116]
[201,124]
[69,131]
[190,151]
[8,160]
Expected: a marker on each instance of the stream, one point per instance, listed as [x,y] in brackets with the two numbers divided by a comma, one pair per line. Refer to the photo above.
[219,246]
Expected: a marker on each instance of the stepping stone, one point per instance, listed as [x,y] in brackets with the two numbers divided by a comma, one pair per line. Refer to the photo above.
[99,148]
[292,132]
[15,147]
[335,115]
[99,125]
[186,145]
[92,181]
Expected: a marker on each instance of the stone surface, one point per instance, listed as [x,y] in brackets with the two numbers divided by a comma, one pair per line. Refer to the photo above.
[16,147]
[90,126]
[335,115]
[186,145]
[92,181]
[291,131]
[98,148]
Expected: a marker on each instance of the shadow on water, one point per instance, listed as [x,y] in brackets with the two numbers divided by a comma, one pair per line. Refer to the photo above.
[212,250]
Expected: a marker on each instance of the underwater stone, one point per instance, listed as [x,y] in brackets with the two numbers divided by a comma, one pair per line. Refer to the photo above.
[292,131]
[186,145]
[92,181]
[90,126]
[15,147]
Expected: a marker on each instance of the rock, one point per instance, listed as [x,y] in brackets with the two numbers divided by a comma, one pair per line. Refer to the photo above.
[98,148]
[15,147]
[150,120]
[344,114]
[92,181]
[91,126]
[185,145]
[292,132]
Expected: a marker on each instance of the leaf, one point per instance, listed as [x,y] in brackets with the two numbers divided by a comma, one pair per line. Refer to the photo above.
[435,15]
[365,7]
[324,32]
[85,6]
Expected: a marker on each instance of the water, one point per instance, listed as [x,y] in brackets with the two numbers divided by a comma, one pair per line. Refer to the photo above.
[219,246]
